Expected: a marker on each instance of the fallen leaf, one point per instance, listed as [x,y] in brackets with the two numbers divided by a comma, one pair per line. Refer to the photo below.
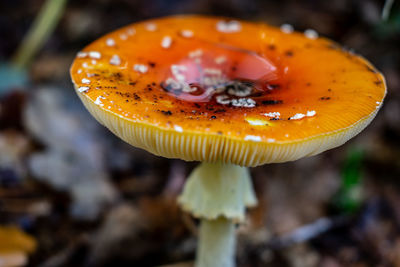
[15,246]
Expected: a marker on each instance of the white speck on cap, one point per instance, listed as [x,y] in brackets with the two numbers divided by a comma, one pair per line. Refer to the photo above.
[174,85]
[178,68]
[212,71]
[377,102]
[243,102]
[220,60]
[231,26]
[166,42]
[256,122]
[151,27]
[273,114]
[222,99]
[94,62]
[180,85]
[180,77]
[85,81]
[110,42]
[252,138]
[298,116]
[140,68]
[187,33]
[311,34]
[115,60]
[287,28]
[83,89]
[196,53]
[311,113]
[98,100]
[286,69]
[177,72]
[85,65]
[94,54]
[81,54]
[123,36]
[178,128]
[131,31]
[79,71]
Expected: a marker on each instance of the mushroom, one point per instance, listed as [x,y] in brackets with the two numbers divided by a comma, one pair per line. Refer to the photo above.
[230,94]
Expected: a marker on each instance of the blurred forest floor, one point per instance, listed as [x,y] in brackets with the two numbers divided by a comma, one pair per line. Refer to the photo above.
[78,196]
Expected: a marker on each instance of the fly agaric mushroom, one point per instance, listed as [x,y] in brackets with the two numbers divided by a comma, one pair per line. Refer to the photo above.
[231,95]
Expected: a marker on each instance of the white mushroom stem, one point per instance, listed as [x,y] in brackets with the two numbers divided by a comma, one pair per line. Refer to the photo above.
[218,194]
[217,242]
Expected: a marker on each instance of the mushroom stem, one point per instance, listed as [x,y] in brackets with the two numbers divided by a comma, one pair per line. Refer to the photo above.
[217,189]
[218,194]
[217,243]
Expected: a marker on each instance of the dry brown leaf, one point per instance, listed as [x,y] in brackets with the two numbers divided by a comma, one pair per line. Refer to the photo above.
[15,245]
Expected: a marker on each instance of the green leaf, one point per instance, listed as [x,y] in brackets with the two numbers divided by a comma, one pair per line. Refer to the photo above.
[349,197]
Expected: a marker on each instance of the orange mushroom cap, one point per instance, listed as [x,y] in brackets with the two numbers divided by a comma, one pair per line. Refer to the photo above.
[211,89]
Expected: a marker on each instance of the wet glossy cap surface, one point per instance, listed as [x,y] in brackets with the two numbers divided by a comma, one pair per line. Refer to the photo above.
[212,89]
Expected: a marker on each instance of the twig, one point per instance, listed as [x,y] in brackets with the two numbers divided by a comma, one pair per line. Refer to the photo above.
[386,9]
[308,231]
[43,26]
